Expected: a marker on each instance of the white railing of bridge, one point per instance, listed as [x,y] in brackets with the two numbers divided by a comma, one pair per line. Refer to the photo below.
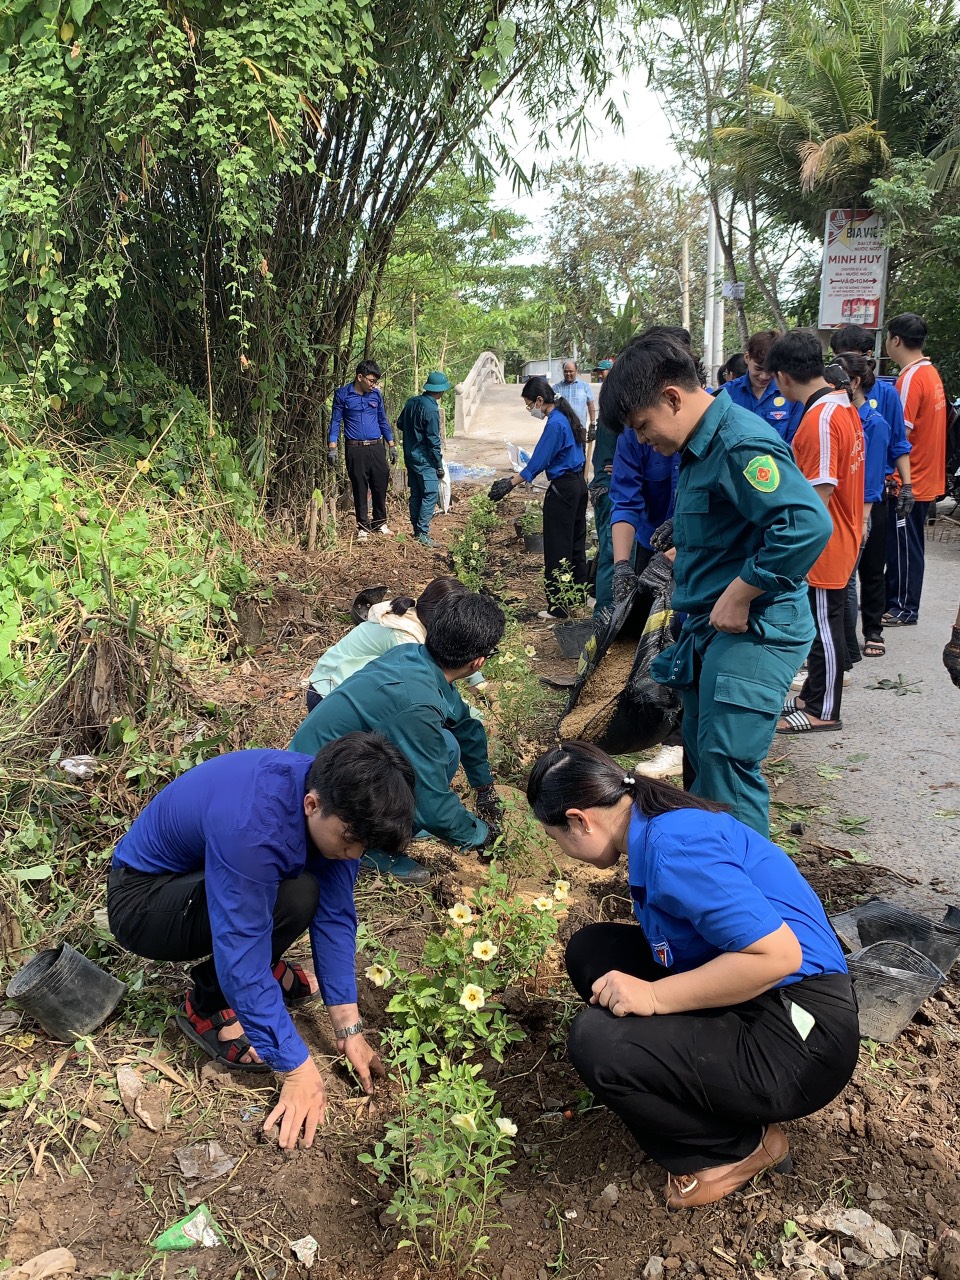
[487,370]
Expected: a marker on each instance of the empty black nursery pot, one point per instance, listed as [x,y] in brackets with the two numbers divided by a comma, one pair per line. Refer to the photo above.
[65,992]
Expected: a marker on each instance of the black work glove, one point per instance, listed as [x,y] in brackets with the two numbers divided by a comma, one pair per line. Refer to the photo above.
[624,581]
[499,489]
[393,455]
[658,574]
[662,539]
[439,473]
[905,501]
[488,806]
[485,847]
[332,455]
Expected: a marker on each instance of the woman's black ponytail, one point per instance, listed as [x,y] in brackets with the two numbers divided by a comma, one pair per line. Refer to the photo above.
[538,388]
[578,775]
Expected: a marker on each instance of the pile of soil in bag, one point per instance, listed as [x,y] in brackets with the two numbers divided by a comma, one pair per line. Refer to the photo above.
[598,697]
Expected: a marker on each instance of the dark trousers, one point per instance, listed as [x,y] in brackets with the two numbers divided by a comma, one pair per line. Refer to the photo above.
[696,1089]
[166,918]
[905,562]
[564,533]
[851,643]
[823,688]
[872,573]
[369,473]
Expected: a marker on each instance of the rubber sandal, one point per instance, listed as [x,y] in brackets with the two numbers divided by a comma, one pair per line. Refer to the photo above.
[790,705]
[800,722]
[398,866]
[891,620]
[204,1032]
[874,648]
[299,991]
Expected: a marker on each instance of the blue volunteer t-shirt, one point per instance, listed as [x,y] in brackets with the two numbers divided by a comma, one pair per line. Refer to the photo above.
[703,884]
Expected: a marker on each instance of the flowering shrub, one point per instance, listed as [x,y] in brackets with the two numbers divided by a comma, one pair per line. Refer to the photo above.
[492,941]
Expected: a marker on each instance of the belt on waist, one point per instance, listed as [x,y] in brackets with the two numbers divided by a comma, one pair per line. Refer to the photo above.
[362,444]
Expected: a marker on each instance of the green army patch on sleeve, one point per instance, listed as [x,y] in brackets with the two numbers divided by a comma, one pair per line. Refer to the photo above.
[762,473]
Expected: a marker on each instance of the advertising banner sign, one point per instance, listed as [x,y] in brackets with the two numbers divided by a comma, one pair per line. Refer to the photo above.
[854,275]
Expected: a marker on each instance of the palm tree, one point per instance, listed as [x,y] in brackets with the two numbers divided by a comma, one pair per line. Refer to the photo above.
[843,99]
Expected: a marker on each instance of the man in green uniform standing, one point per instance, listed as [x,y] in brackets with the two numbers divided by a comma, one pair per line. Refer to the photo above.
[747,527]
[419,425]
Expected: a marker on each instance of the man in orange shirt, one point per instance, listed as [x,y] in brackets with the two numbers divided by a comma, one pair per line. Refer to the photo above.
[925,414]
[828,448]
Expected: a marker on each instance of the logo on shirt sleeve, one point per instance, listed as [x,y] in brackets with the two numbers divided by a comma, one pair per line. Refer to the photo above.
[778,401]
[661,949]
[762,473]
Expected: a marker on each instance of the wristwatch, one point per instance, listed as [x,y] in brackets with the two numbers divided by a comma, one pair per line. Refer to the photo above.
[355,1029]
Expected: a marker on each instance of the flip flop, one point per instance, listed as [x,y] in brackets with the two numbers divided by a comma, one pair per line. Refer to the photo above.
[874,648]
[800,722]
[299,991]
[790,705]
[204,1032]
[891,620]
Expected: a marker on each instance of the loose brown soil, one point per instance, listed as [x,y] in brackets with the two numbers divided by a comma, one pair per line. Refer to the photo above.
[77,1171]
[598,699]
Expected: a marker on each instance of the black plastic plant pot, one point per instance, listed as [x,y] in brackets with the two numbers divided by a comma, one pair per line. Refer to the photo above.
[573,636]
[879,921]
[65,992]
[533,543]
[891,981]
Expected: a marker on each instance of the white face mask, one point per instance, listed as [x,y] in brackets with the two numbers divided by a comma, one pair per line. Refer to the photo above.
[537,413]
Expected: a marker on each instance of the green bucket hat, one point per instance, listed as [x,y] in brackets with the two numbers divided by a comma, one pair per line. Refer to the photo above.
[437,382]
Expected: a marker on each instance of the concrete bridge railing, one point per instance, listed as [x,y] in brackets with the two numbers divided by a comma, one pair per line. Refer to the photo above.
[487,370]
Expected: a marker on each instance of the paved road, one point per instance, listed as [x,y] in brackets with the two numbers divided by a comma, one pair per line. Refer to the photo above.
[899,756]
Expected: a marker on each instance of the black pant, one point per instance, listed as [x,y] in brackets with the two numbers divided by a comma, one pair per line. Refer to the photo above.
[872,571]
[696,1089]
[564,534]
[166,918]
[313,698]
[369,472]
[823,688]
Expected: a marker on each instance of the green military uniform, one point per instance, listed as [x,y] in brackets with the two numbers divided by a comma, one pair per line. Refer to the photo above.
[405,696]
[743,509]
[419,426]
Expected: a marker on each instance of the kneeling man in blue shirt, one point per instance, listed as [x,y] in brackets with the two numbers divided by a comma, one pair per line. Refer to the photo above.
[229,865]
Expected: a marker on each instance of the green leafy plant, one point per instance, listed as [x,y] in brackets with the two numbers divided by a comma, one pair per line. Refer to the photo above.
[568,595]
[530,519]
[445,1155]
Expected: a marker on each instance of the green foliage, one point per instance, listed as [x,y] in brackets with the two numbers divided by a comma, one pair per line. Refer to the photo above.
[84,536]
[469,550]
[216,186]
[445,1156]
[616,249]
[493,940]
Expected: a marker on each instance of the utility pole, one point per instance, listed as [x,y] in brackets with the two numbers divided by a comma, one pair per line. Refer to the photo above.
[549,344]
[685,282]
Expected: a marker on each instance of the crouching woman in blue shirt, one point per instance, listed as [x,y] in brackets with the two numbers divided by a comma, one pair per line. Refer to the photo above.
[228,865]
[730,1009]
[558,452]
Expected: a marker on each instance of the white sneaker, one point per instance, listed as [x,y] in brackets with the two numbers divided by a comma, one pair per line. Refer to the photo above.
[386,531]
[847,679]
[667,762]
[798,681]
[362,535]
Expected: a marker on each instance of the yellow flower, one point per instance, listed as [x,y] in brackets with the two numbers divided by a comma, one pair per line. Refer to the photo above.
[466,1122]
[143,466]
[476,546]
[460,913]
[508,657]
[485,950]
[543,904]
[565,577]
[530,651]
[508,684]
[506,1126]
[472,997]
[378,975]
[561,890]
